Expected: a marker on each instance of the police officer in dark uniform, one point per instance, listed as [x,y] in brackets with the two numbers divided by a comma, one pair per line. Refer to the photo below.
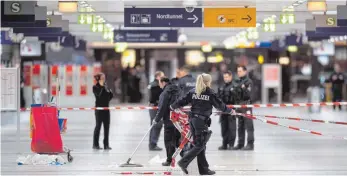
[171,134]
[186,81]
[228,122]
[103,96]
[202,99]
[243,89]
[337,79]
[154,94]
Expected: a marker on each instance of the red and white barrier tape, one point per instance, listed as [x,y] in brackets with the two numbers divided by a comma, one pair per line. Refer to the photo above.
[300,119]
[288,126]
[143,173]
[230,106]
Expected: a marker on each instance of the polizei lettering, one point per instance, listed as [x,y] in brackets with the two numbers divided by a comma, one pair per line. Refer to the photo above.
[201,97]
[190,84]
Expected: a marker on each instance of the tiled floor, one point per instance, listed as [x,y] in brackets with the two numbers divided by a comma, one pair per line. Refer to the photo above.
[278,151]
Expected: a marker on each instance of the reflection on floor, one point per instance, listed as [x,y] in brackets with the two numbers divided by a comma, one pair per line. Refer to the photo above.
[278,151]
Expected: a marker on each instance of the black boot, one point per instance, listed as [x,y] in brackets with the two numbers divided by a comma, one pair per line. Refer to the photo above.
[183,168]
[155,148]
[97,148]
[208,172]
[223,147]
[107,148]
[166,163]
[248,147]
[238,147]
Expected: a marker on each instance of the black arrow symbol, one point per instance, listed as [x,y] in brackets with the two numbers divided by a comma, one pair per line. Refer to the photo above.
[249,18]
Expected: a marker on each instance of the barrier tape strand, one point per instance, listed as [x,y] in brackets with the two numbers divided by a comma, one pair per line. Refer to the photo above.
[288,126]
[230,106]
[301,119]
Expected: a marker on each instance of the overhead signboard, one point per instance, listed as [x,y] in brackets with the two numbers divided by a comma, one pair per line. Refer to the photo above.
[325,20]
[40,20]
[342,15]
[287,18]
[332,30]
[19,7]
[18,11]
[54,20]
[146,36]
[162,17]
[39,31]
[230,17]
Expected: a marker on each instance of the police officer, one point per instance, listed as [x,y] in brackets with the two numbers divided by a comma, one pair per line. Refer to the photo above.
[155,92]
[243,89]
[228,122]
[186,82]
[337,79]
[103,96]
[171,134]
[202,99]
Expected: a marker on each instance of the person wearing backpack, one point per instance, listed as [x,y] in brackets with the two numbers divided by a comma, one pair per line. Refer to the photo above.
[171,134]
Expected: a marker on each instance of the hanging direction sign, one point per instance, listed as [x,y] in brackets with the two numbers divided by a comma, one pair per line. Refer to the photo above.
[162,17]
[325,20]
[342,15]
[145,36]
[18,11]
[230,17]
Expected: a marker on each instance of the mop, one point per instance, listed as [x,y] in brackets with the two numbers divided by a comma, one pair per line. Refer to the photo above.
[128,164]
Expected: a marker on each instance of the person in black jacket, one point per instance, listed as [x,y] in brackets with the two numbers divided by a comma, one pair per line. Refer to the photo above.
[171,134]
[103,96]
[243,89]
[186,82]
[228,122]
[202,99]
[337,79]
[154,93]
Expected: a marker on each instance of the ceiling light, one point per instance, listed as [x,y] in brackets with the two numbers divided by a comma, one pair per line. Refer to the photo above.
[67,6]
[273,16]
[296,4]
[317,6]
[301,1]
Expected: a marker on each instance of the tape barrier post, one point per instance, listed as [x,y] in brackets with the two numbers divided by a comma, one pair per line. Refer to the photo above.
[230,106]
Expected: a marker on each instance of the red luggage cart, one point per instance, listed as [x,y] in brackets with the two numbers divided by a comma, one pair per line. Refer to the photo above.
[46,138]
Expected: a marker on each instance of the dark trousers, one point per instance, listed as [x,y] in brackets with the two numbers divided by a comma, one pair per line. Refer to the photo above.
[228,127]
[155,131]
[245,124]
[101,117]
[171,139]
[199,131]
[337,97]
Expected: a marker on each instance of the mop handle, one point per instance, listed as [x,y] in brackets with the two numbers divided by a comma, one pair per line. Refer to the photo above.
[138,145]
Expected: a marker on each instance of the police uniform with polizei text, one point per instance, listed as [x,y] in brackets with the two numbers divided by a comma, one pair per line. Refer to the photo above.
[243,90]
[228,122]
[185,84]
[199,121]
[337,80]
